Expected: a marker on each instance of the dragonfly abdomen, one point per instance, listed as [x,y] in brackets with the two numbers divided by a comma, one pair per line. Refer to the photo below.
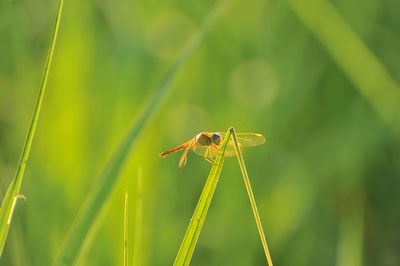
[177,148]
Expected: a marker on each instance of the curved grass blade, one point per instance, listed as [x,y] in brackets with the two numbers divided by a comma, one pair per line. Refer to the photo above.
[251,196]
[362,67]
[189,241]
[12,194]
[103,185]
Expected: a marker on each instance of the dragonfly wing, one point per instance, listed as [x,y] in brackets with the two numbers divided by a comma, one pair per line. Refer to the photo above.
[203,150]
[200,150]
[244,139]
[229,151]
[183,159]
[248,139]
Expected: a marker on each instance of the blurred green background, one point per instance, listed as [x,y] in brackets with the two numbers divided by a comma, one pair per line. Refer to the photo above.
[327,182]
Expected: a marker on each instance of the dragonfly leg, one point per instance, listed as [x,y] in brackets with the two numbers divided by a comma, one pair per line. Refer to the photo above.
[213,152]
[214,148]
[208,156]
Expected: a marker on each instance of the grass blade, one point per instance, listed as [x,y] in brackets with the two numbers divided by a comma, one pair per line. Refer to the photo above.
[126,229]
[351,54]
[351,231]
[137,249]
[189,241]
[251,196]
[12,194]
[102,186]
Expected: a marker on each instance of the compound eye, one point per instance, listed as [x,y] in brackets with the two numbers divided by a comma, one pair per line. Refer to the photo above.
[216,135]
[216,138]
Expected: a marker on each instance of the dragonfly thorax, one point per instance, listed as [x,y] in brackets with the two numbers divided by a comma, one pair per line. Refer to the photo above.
[202,140]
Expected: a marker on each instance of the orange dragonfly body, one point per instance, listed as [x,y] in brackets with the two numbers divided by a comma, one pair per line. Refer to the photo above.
[207,144]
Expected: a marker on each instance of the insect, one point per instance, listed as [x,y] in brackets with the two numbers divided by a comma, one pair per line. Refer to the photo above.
[207,144]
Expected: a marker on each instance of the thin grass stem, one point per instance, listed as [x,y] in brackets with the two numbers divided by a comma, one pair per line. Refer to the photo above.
[251,196]
[189,241]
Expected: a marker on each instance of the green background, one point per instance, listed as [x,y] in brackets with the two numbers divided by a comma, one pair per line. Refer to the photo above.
[327,182]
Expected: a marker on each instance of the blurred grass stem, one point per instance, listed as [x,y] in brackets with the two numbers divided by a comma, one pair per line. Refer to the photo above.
[137,248]
[126,229]
[70,250]
[353,56]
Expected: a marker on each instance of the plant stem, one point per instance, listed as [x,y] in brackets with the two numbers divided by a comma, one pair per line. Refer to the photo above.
[251,196]
[12,194]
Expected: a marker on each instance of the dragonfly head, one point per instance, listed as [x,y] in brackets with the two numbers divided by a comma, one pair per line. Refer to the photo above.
[216,138]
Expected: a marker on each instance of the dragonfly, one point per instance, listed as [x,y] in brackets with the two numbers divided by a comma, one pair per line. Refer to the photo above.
[206,144]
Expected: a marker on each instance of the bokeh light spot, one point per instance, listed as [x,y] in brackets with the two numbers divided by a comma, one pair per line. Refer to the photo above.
[254,84]
[168,32]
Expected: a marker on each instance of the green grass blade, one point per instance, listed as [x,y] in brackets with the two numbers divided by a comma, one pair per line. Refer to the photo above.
[251,196]
[126,229]
[12,194]
[189,241]
[137,248]
[351,231]
[102,186]
[352,55]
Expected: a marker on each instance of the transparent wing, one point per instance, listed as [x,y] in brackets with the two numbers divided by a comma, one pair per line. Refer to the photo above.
[244,139]
[229,151]
[247,139]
